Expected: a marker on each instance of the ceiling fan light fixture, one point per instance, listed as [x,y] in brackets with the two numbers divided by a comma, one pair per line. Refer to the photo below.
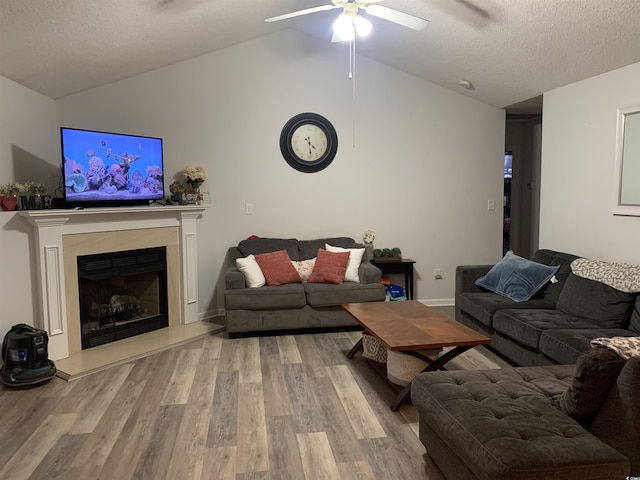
[362,25]
[466,84]
[343,27]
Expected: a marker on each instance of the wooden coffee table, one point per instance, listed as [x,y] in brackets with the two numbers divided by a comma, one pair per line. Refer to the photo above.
[410,326]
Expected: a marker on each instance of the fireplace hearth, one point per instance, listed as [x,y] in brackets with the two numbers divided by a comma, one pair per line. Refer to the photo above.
[122,294]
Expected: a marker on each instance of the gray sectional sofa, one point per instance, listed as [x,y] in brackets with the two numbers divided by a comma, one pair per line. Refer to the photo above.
[295,305]
[553,327]
[559,422]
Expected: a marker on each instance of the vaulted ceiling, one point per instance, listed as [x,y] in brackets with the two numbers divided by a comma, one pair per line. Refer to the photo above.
[511,50]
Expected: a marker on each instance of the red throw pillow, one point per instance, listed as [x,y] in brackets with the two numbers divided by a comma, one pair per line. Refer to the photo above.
[329,267]
[277,268]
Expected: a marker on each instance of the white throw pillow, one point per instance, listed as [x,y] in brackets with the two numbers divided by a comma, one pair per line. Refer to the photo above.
[355,259]
[251,270]
[304,268]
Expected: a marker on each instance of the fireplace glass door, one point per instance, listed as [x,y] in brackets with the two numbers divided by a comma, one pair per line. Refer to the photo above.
[122,294]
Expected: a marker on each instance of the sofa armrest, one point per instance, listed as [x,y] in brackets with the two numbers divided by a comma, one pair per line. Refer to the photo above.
[233,279]
[369,273]
[466,276]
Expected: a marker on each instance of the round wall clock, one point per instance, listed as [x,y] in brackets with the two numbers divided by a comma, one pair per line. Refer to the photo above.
[308,142]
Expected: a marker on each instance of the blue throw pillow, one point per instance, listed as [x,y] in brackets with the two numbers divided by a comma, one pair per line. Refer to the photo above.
[517,278]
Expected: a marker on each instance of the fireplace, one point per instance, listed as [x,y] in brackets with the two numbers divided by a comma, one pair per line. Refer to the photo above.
[63,235]
[122,294]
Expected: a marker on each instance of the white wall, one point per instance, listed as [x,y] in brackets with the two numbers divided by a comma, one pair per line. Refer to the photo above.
[424,164]
[578,149]
[29,150]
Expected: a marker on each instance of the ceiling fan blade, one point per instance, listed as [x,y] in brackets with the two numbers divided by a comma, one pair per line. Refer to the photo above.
[396,16]
[302,12]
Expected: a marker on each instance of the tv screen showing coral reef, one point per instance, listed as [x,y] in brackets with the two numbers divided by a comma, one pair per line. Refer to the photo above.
[107,169]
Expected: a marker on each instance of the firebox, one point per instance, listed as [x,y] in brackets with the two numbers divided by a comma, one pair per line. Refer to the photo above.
[122,294]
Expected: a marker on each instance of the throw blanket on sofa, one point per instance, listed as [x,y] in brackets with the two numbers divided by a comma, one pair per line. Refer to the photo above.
[626,347]
[621,276]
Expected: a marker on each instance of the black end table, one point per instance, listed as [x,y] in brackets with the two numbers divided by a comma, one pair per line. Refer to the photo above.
[403,266]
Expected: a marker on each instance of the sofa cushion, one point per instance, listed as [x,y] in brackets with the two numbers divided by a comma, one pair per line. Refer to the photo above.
[483,305]
[596,372]
[266,298]
[353,264]
[329,267]
[551,291]
[265,245]
[277,268]
[309,248]
[606,306]
[565,346]
[526,326]
[253,275]
[328,295]
[517,278]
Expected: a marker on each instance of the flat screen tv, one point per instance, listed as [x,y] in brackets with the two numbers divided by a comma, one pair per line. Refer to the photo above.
[103,169]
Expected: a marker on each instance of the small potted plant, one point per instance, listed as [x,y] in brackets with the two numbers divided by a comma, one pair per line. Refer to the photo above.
[35,192]
[177,190]
[9,196]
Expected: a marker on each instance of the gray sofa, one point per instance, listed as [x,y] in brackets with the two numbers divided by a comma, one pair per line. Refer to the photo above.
[529,423]
[556,325]
[295,305]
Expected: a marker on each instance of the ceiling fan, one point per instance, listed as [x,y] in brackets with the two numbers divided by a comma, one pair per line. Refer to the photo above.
[350,21]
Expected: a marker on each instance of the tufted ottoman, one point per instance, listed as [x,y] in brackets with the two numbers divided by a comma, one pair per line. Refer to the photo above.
[501,424]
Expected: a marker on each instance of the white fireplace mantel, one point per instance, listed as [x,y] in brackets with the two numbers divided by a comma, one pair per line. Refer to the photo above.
[51,226]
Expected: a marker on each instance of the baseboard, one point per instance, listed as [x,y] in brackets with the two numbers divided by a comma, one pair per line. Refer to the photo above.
[438,302]
[214,316]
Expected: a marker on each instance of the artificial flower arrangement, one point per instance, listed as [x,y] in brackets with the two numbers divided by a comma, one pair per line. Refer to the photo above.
[369,237]
[181,193]
[11,188]
[30,193]
[194,176]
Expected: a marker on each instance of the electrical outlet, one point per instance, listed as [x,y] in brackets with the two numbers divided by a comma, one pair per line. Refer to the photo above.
[248,208]
[437,274]
[491,204]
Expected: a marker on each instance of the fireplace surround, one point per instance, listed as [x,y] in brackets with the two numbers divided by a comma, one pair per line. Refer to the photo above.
[61,236]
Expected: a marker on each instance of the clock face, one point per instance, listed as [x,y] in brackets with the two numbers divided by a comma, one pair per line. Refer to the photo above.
[308,142]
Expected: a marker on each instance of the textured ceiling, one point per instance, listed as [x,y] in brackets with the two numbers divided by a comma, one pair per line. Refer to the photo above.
[512,50]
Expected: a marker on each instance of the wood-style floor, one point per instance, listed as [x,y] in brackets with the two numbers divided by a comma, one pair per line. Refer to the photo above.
[273,407]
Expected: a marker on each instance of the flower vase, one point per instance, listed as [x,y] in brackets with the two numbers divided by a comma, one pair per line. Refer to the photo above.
[193,193]
[368,251]
[9,203]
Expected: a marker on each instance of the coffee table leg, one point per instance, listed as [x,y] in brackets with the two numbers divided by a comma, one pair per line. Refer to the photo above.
[356,348]
[437,364]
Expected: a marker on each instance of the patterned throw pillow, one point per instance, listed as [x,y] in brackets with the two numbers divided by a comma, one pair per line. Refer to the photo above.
[329,267]
[304,268]
[277,268]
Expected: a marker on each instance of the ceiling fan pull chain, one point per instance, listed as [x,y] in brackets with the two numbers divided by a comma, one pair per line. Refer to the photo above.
[352,75]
